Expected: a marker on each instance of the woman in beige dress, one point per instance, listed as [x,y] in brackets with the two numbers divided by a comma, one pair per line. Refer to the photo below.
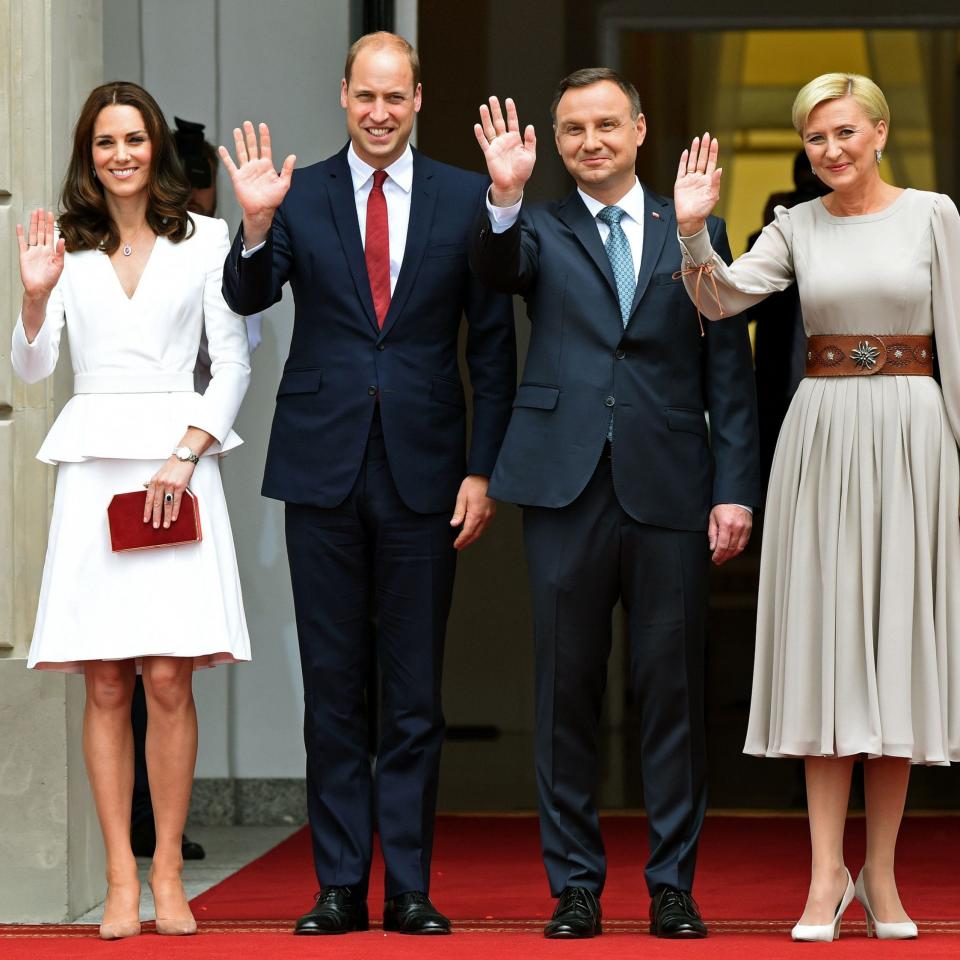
[858,619]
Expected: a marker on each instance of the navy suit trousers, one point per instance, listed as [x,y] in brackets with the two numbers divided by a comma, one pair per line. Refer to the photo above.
[371,560]
[582,559]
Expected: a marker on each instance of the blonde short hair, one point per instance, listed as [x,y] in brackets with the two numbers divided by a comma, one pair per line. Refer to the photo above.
[833,86]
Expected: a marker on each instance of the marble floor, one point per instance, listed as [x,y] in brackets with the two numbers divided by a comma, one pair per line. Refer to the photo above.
[228,849]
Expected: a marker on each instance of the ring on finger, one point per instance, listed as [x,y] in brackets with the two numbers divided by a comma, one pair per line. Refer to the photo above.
[168,498]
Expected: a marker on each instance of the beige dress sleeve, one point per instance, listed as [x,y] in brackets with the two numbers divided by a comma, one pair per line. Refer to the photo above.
[945,284]
[765,269]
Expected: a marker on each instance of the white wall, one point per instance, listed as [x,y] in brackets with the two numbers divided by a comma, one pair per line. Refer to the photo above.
[51,854]
[220,62]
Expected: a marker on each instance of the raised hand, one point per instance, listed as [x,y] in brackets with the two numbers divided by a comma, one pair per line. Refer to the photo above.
[510,157]
[41,255]
[257,185]
[697,189]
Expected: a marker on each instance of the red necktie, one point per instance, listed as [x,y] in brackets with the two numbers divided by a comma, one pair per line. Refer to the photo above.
[377,249]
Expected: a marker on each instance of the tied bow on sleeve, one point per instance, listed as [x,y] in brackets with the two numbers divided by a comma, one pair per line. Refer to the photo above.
[701,269]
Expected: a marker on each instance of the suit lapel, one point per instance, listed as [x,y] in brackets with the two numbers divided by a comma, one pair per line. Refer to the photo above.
[576,216]
[423,201]
[344,206]
[656,226]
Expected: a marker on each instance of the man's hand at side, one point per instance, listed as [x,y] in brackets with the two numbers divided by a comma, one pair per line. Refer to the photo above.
[729,531]
[474,510]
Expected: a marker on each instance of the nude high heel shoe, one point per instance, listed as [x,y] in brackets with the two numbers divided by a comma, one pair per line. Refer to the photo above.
[826,931]
[902,930]
[173,926]
[119,929]
[176,928]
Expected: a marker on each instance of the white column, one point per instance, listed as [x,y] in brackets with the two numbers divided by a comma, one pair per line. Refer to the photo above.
[51,859]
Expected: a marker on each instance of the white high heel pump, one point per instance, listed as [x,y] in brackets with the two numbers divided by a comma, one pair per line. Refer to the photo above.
[903,930]
[826,931]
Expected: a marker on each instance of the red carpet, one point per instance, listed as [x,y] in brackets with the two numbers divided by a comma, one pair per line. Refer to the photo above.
[751,882]
[750,868]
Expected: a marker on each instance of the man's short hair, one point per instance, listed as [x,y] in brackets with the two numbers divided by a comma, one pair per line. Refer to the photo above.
[587,77]
[379,40]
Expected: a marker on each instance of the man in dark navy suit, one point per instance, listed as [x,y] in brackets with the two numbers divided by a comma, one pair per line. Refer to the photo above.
[368,451]
[623,484]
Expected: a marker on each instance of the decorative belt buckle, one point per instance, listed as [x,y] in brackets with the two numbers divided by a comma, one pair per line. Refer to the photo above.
[869,358]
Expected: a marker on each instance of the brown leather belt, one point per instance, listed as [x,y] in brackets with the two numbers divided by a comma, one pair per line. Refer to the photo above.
[863,355]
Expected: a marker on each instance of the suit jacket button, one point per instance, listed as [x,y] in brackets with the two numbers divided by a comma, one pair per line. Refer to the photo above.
[610,401]
[372,391]
[381,346]
[620,354]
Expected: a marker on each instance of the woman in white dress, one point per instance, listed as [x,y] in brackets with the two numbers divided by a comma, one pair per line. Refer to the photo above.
[858,619]
[134,280]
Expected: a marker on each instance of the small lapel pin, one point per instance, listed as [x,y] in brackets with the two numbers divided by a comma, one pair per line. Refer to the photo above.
[654,214]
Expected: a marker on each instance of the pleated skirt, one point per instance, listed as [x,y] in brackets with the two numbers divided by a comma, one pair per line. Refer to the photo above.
[858,621]
[182,601]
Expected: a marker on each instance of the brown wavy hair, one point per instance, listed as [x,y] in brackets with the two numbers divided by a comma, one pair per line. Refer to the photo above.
[85,222]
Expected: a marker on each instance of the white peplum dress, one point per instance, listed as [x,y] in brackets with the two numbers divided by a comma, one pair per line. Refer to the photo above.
[858,619]
[133,361]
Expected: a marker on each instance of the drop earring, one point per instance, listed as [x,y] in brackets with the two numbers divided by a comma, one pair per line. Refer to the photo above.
[879,154]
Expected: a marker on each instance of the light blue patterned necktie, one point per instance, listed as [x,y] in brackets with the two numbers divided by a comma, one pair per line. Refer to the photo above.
[621,259]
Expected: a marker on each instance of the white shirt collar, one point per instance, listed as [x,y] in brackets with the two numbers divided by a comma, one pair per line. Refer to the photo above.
[400,171]
[631,204]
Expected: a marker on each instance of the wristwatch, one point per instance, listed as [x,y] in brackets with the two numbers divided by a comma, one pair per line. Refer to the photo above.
[185,454]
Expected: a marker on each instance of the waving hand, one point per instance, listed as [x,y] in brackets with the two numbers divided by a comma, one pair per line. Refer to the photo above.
[510,157]
[41,255]
[697,189]
[257,185]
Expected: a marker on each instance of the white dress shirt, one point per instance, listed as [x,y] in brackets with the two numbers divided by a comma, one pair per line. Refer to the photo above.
[397,189]
[503,218]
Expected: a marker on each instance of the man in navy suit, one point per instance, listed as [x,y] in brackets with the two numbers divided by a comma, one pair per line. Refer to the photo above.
[368,451]
[623,484]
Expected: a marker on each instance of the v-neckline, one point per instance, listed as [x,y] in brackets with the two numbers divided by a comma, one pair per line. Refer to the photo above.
[143,272]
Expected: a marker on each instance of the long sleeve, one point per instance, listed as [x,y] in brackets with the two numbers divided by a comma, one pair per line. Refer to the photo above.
[506,261]
[766,268]
[253,280]
[35,361]
[492,358]
[945,281]
[227,345]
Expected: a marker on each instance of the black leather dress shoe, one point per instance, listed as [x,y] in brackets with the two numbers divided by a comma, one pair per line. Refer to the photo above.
[143,840]
[337,910]
[191,850]
[413,913]
[674,915]
[577,916]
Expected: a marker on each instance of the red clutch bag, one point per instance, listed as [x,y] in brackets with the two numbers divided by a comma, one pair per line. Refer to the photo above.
[129,532]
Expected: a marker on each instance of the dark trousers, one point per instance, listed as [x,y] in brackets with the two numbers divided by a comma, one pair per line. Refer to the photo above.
[371,558]
[583,558]
[142,808]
